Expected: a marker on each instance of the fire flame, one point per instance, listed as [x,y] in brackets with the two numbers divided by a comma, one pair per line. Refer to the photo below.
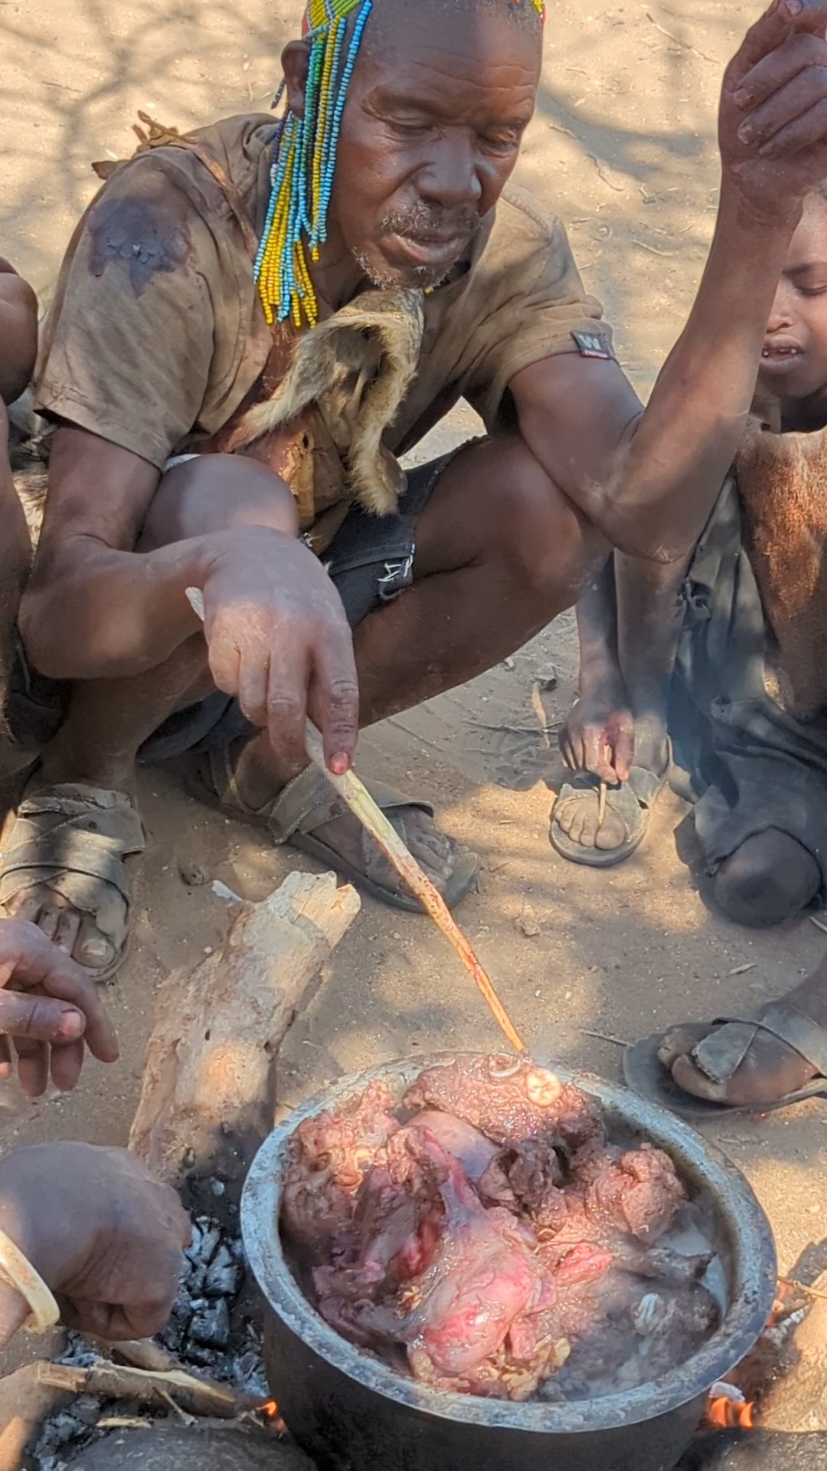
[727,1409]
[270,1410]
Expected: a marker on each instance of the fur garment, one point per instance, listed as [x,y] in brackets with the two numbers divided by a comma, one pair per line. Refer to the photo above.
[357,368]
[782,484]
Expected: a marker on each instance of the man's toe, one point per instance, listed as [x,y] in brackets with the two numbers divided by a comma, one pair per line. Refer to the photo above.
[67,931]
[92,950]
[611,833]
[679,1041]
[692,1080]
[25,905]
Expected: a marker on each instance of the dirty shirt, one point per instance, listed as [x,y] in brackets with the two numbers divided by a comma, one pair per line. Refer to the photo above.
[156,340]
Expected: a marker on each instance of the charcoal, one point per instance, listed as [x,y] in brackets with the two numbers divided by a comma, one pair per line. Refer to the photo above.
[198,1354]
[211,1325]
[210,1237]
[196,1278]
[87,1409]
[62,1428]
[193,1251]
[223,1278]
[78,1354]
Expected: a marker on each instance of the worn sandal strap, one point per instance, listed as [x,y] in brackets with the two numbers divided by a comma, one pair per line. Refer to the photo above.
[646,785]
[309,800]
[74,838]
[718,1056]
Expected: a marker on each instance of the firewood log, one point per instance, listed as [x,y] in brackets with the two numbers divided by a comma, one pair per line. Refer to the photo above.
[207,1097]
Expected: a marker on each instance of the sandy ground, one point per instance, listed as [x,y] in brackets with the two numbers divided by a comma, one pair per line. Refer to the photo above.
[624,147]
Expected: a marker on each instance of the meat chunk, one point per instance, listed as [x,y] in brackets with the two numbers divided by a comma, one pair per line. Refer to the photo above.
[638,1193]
[474,1152]
[495,1242]
[510,1101]
[395,1225]
[484,1282]
[329,1158]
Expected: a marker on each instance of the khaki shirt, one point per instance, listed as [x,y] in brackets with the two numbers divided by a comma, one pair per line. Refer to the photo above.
[156,337]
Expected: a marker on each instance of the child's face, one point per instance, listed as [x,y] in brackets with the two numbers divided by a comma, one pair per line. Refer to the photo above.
[794,357]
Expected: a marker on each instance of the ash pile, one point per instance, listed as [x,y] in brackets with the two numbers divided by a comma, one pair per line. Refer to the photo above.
[214,1333]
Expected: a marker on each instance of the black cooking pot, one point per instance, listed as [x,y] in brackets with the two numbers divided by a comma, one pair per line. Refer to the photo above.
[352,1413]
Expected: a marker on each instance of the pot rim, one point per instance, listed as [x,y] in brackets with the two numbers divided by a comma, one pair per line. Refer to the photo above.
[754,1270]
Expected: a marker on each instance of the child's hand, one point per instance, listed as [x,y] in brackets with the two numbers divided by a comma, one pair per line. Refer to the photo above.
[18,338]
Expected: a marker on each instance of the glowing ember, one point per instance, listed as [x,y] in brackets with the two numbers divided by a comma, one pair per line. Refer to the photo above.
[270,1410]
[728,1409]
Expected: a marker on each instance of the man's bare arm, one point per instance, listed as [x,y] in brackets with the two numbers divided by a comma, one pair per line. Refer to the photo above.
[94,608]
[648,479]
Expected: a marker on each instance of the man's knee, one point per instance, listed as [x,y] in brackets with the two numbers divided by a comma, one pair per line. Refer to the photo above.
[535,527]
[211,493]
[769,879]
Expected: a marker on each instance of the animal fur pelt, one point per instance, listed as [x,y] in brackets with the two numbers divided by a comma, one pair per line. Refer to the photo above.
[782,480]
[357,366]
[782,484]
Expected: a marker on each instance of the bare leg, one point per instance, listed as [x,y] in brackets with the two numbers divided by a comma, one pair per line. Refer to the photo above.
[649,618]
[499,553]
[629,629]
[15,557]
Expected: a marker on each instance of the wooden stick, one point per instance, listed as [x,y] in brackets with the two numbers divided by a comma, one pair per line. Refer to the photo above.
[601,804]
[358,798]
[114,1381]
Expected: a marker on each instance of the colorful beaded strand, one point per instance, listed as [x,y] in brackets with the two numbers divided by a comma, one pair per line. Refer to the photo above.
[302,175]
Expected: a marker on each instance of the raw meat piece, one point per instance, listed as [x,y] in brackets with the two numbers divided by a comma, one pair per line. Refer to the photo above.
[661,1263]
[528,1178]
[484,1275]
[496,1241]
[474,1316]
[329,1157]
[510,1101]
[474,1152]
[396,1224]
[639,1192]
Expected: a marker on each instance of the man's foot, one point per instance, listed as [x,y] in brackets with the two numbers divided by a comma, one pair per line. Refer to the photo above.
[762,1067]
[307,813]
[69,868]
[769,879]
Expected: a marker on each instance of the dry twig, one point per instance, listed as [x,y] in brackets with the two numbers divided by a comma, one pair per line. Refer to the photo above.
[115,1381]
[680,41]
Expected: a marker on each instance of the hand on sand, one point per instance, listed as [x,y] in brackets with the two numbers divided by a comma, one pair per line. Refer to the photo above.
[772,125]
[278,640]
[104,1236]
[50,1010]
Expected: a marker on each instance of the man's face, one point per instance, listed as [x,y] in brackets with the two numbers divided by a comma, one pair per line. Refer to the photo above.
[431,131]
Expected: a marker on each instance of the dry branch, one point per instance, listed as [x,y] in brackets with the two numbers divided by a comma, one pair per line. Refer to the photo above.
[25,1402]
[207,1096]
[118,1382]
